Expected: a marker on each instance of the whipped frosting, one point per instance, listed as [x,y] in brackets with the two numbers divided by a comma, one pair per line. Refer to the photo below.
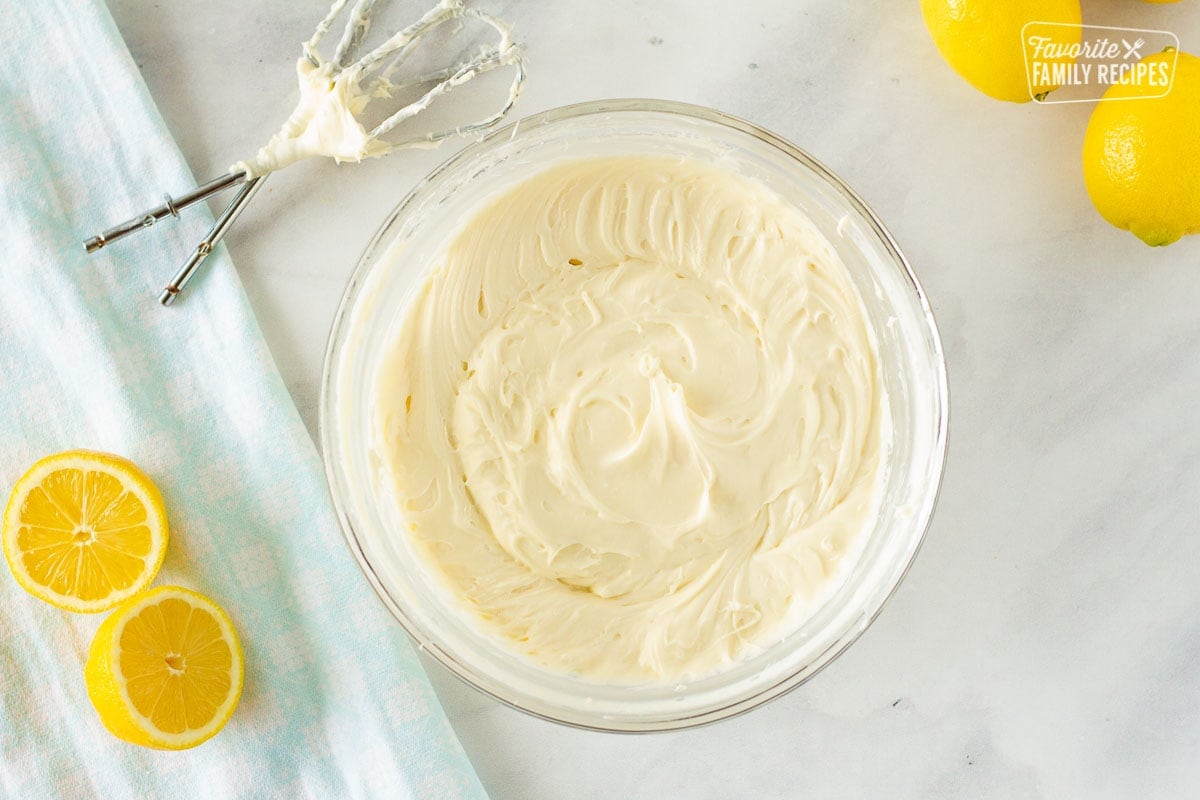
[633,418]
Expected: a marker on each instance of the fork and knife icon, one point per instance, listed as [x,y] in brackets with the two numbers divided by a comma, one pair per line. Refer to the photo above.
[1133,50]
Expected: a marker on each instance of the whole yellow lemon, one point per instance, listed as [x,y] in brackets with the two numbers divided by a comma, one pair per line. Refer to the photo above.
[981,39]
[1141,155]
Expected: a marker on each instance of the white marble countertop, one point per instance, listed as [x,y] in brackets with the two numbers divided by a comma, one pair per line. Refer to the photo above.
[1046,643]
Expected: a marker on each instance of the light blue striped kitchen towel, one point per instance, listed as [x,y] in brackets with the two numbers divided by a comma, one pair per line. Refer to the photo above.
[335,702]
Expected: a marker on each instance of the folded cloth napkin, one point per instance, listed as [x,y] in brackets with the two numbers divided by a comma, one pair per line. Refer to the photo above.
[335,703]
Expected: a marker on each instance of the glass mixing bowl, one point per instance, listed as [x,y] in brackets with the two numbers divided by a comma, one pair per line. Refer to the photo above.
[383,283]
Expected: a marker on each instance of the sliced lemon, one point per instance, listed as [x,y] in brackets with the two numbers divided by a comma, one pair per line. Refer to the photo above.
[165,669]
[84,530]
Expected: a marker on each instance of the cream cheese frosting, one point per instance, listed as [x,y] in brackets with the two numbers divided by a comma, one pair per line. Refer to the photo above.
[633,419]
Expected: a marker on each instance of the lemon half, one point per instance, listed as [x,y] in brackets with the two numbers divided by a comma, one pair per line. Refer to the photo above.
[84,530]
[165,669]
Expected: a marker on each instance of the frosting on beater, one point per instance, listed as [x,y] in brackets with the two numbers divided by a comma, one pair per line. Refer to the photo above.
[323,124]
[335,92]
[633,420]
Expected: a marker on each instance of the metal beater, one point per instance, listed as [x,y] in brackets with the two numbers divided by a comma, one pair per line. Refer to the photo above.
[372,72]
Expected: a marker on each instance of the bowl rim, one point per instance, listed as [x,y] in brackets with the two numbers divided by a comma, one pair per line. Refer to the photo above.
[326,425]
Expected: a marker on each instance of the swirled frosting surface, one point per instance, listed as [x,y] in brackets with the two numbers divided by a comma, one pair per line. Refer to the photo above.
[633,418]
